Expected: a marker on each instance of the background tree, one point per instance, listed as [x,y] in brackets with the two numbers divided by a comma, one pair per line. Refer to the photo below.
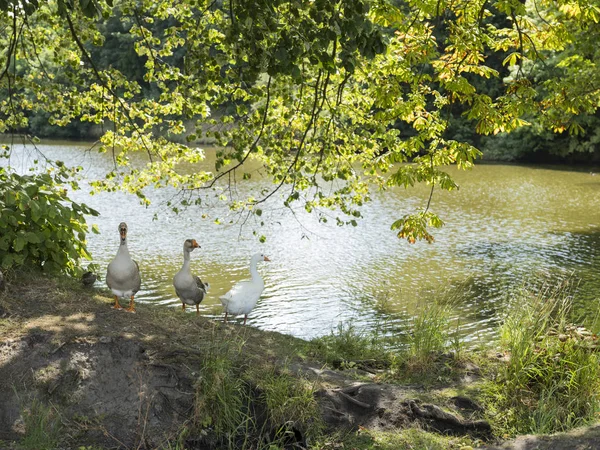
[333,99]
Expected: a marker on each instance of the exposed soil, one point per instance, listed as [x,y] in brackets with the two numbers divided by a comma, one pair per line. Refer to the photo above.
[122,380]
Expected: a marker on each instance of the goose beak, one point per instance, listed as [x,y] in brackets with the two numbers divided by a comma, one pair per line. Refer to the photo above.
[195,244]
[267,259]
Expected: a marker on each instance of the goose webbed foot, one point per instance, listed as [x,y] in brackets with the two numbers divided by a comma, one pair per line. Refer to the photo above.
[116,305]
[131,307]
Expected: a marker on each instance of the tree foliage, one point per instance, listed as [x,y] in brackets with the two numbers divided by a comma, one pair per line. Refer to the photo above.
[332,98]
[39,225]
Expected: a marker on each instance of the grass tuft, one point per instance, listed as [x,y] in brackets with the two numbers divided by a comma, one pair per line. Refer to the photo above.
[348,343]
[428,336]
[245,405]
[412,438]
[221,400]
[417,350]
[289,401]
[42,427]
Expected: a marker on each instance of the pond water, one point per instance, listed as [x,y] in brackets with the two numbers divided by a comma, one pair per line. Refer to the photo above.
[507,225]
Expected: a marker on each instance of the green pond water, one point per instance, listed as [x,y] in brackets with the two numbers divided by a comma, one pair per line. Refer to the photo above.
[507,226]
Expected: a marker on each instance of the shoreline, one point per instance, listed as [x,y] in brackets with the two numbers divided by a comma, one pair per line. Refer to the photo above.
[166,380]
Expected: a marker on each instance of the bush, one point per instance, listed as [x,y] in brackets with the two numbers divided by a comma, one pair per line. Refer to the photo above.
[39,225]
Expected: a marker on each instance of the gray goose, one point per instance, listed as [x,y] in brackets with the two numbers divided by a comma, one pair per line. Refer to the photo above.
[123,273]
[189,288]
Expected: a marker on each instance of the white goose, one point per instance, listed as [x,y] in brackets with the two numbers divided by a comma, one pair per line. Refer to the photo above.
[189,288]
[123,273]
[242,297]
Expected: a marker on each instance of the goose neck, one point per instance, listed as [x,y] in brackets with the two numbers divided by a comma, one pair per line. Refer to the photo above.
[254,271]
[123,250]
[186,260]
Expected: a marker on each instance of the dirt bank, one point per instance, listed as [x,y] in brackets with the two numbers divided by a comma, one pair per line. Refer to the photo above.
[111,379]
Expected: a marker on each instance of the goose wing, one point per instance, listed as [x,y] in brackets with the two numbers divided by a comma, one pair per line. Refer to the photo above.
[137,278]
[201,285]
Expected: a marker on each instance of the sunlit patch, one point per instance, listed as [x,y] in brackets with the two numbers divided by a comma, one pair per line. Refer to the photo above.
[60,324]
[48,373]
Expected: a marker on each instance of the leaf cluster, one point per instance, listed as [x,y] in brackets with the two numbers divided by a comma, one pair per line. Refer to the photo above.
[39,225]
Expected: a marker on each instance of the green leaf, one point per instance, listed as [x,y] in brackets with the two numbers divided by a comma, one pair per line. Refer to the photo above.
[7,261]
[33,237]
[19,243]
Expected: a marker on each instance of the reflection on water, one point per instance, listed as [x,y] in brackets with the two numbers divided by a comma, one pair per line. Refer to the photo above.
[506,225]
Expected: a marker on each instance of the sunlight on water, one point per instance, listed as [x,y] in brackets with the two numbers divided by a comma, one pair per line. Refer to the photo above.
[507,225]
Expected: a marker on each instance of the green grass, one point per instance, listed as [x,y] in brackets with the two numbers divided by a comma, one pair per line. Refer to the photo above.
[42,427]
[289,402]
[406,439]
[413,353]
[348,343]
[551,381]
[242,405]
[428,336]
[221,401]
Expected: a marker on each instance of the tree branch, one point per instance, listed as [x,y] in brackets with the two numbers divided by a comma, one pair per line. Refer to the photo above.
[254,144]
[299,151]
[102,82]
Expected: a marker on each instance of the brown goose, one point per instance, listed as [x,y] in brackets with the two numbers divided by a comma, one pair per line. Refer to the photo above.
[123,273]
[189,288]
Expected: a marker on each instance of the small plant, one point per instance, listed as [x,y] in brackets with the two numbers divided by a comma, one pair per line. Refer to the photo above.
[289,402]
[220,395]
[427,337]
[42,427]
[349,344]
[428,333]
[39,225]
